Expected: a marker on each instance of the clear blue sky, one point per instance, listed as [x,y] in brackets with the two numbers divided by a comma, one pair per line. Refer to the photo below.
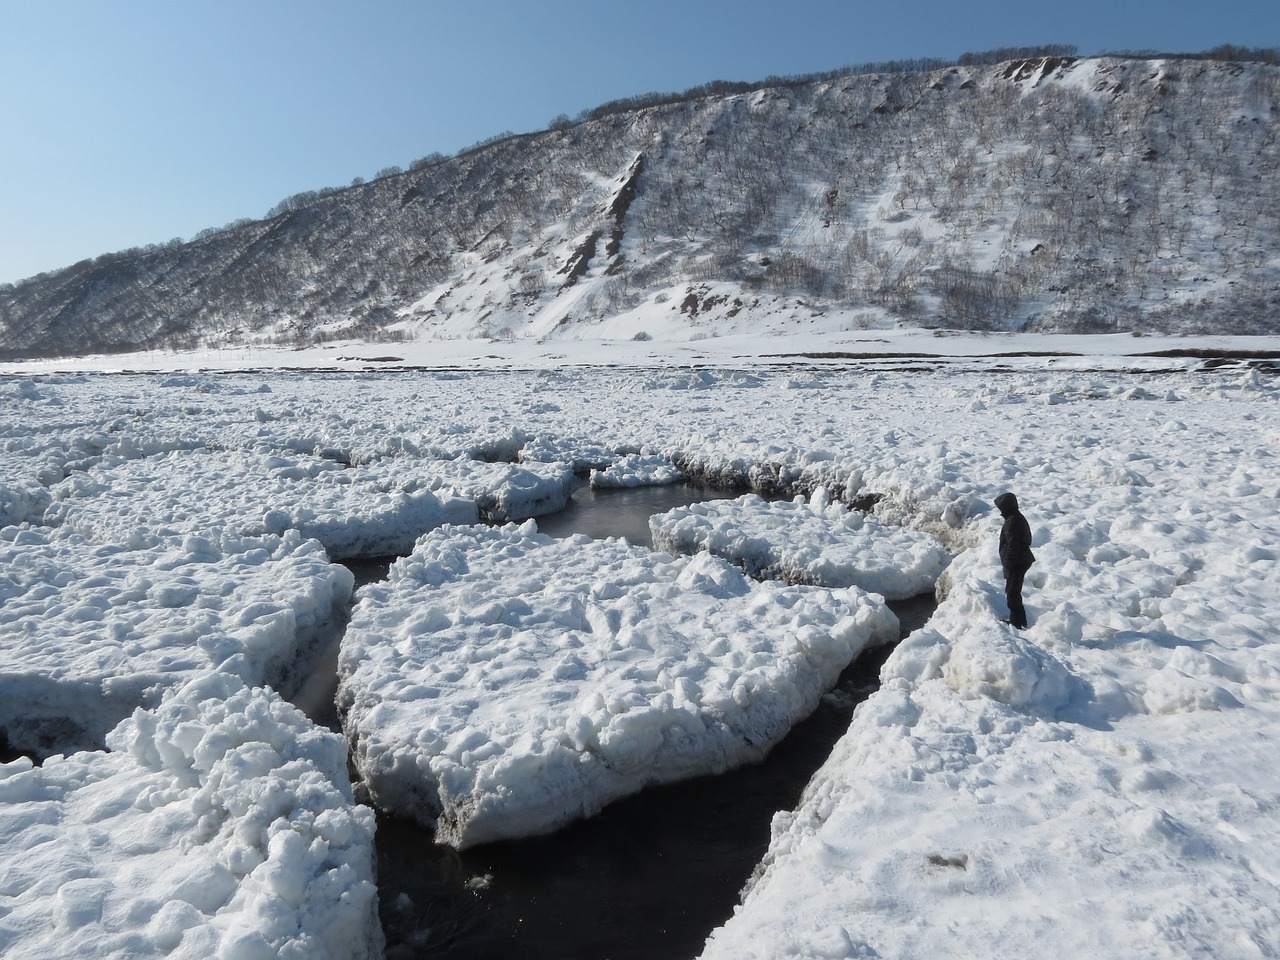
[129,123]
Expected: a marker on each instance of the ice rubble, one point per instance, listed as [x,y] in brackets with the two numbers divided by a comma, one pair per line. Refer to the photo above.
[221,824]
[22,499]
[501,683]
[814,541]
[501,491]
[91,629]
[636,470]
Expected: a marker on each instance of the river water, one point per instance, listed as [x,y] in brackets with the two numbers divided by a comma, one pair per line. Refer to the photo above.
[649,877]
[624,512]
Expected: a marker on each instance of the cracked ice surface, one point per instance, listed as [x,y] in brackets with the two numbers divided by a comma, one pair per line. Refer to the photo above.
[502,683]
[1103,784]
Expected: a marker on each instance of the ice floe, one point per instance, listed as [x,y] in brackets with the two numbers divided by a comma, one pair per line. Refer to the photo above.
[89,629]
[501,683]
[814,541]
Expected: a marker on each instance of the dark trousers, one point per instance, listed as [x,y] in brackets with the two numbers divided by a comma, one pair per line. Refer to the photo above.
[1013,595]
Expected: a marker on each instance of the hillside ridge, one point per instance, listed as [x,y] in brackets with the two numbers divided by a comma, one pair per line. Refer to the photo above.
[1058,193]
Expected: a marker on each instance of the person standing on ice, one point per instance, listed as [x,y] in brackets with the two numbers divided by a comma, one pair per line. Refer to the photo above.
[1016,557]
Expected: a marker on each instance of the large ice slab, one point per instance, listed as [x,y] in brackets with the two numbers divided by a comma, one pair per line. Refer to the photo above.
[817,542]
[354,511]
[501,683]
[221,824]
[89,631]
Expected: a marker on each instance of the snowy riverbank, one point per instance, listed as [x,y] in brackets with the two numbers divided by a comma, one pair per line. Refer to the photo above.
[1102,783]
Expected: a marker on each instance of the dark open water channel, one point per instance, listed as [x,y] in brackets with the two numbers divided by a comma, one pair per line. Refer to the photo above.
[649,877]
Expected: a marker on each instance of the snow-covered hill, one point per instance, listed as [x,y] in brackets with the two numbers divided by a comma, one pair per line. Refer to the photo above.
[1054,194]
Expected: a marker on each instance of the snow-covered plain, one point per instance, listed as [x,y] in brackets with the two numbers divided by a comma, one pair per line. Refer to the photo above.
[1103,783]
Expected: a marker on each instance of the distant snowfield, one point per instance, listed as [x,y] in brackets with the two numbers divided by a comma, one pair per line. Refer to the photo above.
[830,343]
[1103,783]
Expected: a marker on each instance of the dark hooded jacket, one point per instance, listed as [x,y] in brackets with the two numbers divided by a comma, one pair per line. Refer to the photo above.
[1015,535]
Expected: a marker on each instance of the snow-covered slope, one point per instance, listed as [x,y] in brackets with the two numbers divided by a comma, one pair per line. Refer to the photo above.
[1053,194]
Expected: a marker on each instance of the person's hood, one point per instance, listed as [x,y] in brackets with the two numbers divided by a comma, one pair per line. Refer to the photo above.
[1007,504]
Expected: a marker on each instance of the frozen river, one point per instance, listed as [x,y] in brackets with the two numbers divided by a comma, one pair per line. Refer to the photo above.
[172,551]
